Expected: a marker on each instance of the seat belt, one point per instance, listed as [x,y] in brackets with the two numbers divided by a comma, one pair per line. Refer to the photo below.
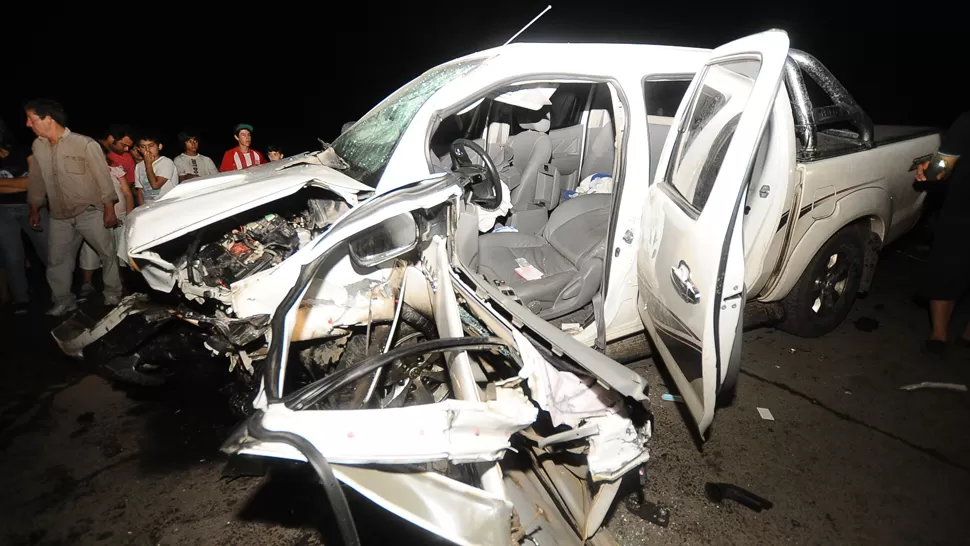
[600,321]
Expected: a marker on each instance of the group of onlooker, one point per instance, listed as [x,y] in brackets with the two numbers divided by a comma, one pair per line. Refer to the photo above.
[71,194]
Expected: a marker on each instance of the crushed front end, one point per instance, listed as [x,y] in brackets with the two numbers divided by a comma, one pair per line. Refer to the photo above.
[359,344]
[211,253]
[445,413]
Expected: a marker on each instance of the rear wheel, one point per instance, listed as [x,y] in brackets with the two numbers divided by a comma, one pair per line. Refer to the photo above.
[828,287]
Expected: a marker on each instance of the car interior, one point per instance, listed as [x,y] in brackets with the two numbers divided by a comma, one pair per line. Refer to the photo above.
[554,146]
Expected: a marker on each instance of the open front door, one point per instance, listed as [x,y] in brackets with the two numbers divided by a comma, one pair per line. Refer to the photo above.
[690,262]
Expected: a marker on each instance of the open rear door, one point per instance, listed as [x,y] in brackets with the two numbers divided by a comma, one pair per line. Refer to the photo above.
[690,262]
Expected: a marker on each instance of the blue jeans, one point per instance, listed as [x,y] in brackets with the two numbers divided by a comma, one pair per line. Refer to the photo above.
[13,220]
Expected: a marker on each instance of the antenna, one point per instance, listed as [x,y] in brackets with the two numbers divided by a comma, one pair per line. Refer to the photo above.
[516,35]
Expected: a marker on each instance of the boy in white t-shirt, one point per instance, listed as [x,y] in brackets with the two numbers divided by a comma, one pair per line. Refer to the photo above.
[157,174]
[191,164]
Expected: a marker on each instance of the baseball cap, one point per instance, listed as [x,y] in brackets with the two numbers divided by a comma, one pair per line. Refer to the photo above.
[241,126]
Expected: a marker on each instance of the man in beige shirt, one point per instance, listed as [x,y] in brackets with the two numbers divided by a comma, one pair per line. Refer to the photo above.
[70,175]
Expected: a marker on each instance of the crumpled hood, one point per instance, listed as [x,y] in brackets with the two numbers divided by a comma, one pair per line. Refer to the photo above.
[194,204]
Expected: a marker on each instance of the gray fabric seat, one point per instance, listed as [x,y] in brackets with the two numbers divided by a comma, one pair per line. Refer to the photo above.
[531,149]
[570,252]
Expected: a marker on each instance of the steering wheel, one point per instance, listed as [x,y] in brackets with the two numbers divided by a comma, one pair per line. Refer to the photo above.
[486,185]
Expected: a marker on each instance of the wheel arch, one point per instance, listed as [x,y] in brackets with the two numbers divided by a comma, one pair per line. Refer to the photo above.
[868,208]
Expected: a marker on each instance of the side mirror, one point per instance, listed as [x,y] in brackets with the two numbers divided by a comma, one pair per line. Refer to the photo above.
[347,126]
[385,241]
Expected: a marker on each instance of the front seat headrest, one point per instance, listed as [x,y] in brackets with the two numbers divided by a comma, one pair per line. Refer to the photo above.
[542,125]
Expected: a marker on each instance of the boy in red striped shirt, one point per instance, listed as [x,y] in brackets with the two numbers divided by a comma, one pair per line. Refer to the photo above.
[241,156]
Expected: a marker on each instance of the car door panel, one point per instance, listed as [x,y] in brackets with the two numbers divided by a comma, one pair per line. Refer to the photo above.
[691,261]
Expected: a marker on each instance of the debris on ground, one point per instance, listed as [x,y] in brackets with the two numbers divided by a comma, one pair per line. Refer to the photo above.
[934,385]
[672,397]
[766,414]
[646,510]
[717,492]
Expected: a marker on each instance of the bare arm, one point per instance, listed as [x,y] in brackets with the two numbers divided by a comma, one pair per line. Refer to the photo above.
[13,185]
[126,194]
[153,179]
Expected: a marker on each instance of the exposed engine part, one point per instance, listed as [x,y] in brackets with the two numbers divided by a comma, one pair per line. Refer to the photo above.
[413,380]
[236,332]
[417,381]
[261,243]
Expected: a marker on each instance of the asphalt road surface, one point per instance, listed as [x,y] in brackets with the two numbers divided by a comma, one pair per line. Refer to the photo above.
[848,459]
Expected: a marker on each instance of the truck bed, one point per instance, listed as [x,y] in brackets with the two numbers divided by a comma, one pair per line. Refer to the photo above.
[836,142]
[885,134]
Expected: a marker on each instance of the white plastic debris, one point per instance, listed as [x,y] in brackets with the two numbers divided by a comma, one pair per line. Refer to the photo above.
[486,218]
[618,446]
[765,414]
[572,328]
[934,385]
[566,397]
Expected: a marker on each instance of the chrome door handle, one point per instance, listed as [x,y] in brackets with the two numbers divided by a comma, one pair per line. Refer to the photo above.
[680,277]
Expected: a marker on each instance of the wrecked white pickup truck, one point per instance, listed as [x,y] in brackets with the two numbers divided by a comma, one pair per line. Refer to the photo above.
[379,334]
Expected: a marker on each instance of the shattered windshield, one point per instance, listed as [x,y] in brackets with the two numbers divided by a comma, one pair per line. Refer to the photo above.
[368,145]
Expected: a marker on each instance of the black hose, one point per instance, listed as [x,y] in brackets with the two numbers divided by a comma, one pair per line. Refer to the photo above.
[421,323]
[341,510]
[190,255]
[316,391]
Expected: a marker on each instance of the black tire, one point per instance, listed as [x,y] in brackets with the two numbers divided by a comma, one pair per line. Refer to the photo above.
[820,284]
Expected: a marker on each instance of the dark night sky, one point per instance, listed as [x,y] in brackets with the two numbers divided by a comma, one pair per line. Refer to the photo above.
[297,73]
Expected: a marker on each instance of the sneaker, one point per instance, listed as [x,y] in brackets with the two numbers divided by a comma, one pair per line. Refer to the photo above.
[87,289]
[62,309]
[111,301]
[21,308]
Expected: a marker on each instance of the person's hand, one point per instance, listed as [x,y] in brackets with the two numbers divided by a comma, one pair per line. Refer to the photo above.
[920,170]
[110,218]
[34,220]
[149,155]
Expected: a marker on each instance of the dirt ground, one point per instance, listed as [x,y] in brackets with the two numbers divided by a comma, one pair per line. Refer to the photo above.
[848,459]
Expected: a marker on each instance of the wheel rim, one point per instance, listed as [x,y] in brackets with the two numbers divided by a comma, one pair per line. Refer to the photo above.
[828,287]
